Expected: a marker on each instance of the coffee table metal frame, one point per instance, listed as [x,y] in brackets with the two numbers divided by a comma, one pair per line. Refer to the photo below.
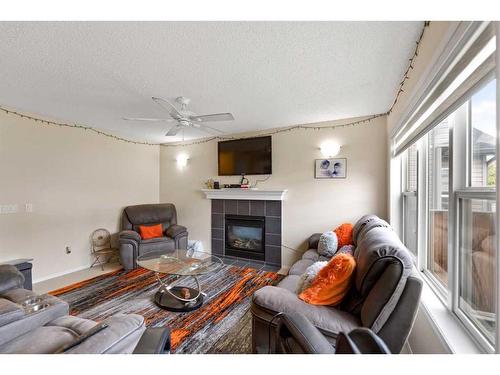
[169,296]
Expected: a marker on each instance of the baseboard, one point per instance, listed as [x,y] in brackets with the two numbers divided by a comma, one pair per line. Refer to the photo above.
[58,274]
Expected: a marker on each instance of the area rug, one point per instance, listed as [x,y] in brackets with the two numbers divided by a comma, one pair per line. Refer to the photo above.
[220,325]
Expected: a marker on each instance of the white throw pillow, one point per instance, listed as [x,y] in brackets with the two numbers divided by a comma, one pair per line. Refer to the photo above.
[328,244]
[309,275]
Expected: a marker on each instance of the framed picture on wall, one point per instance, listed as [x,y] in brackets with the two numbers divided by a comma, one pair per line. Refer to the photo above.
[330,168]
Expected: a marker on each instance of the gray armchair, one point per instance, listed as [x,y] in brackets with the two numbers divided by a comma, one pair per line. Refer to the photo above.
[40,324]
[131,243]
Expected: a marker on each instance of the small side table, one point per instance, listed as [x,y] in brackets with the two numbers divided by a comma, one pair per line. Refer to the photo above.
[24,266]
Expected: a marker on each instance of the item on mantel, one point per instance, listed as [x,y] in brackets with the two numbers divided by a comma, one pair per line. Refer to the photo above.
[209,183]
[244,186]
[216,185]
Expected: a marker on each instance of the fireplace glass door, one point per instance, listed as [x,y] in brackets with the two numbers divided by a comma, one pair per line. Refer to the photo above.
[245,236]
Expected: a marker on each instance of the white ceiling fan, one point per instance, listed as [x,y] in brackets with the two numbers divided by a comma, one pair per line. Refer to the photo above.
[183,117]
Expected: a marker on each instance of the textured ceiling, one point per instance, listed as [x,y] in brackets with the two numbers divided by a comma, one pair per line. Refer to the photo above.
[268,74]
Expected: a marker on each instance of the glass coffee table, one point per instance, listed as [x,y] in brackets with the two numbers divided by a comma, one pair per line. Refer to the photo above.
[179,263]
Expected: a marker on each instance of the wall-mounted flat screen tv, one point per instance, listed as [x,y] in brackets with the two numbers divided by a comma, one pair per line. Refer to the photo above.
[245,156]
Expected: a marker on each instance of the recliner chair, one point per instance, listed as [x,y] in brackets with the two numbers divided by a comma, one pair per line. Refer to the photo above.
[40,324]
[131,243]
[296,335]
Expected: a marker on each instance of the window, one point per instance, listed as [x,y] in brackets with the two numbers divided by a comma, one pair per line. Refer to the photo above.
[447,149]
[476,247]
[482,133]
[474,297]
[459,173]
[438,198]
[410,200]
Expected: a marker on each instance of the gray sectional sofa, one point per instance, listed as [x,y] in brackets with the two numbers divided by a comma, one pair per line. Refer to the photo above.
[26,331]
[384,296]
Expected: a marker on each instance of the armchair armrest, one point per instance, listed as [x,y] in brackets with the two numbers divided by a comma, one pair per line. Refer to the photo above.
[360,341]
[129,235]
[314,240]
[295,331]
[175,230]
[154,341]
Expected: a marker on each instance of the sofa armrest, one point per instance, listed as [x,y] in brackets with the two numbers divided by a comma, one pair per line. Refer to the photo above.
[154,341]
[10,278]
[129,235]
[314,240]
[296,331]
[175,230]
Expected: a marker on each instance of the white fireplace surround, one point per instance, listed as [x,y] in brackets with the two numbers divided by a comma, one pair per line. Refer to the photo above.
[249,194]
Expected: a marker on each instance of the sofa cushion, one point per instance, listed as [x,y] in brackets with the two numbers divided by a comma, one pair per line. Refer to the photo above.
[156,244]
[328,319]
[9,311]
[311,254]
[41,340]
[332,282]
[289,283]
[33,320]
[309,275]
[148,232]
[328,244]
[10,278]
[383,265]
[121,336]
[300,267]
[344,234]
[313,240]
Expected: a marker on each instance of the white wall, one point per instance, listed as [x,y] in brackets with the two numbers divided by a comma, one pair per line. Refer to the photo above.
[311,205]
[76,180]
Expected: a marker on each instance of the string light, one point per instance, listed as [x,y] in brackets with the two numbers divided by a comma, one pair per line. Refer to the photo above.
[406,76]
[410,67]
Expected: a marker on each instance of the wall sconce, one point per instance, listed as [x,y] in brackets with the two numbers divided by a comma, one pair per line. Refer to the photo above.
[330,149]
[182,160]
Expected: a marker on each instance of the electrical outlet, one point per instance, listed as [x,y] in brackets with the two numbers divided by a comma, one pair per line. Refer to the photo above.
[28,207]
[68,249]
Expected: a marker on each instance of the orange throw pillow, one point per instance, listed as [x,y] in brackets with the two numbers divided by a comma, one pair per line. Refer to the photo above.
[344,234]
[332,283]
[152,231]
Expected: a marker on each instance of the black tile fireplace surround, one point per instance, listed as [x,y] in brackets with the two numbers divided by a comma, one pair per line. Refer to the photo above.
[266,212]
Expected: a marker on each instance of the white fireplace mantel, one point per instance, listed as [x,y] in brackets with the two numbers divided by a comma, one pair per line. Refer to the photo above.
[250,194]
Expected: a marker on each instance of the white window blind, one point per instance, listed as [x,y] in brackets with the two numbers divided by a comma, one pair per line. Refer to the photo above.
[473,66]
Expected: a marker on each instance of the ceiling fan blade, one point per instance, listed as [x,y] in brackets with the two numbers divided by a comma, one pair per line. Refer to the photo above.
[165,104]
[207,129]
[148,119]
[212,117]
[174,130]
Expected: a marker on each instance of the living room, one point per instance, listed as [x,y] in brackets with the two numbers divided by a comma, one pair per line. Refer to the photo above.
[248,187]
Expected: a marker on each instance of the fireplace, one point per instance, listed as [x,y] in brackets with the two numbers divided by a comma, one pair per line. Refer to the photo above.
[245,236]
[265,214]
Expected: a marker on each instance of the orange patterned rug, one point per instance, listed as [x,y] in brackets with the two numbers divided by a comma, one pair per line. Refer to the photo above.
[220,325]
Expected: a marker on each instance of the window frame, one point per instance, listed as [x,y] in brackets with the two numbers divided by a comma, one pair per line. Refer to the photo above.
[474,332]
[406,192]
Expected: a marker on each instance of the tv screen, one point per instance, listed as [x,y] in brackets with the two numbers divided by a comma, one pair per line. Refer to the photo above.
[245,156]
